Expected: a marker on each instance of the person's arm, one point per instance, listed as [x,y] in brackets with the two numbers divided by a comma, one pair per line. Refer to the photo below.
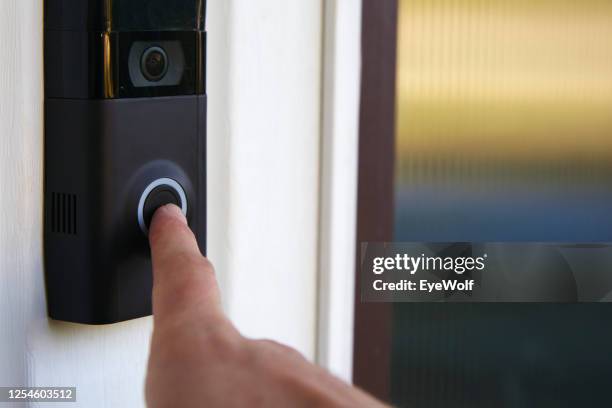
[198,358]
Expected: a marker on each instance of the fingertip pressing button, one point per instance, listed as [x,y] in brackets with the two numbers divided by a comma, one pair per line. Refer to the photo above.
[157,194]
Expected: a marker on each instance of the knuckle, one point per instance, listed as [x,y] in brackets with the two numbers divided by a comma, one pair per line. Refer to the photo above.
[267,352]
[207,264]
[227,345]
[279,347]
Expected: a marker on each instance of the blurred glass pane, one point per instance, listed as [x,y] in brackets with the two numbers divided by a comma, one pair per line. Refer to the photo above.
[504,120]
[504,133]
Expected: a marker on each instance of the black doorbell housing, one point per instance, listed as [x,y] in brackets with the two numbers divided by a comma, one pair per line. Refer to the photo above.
[125,132]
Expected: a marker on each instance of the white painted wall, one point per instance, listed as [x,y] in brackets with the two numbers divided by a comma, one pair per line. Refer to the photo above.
[264,142]
[21,290]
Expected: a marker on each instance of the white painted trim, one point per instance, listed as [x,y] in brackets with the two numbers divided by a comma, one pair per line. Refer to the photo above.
[264,84]
[338,206]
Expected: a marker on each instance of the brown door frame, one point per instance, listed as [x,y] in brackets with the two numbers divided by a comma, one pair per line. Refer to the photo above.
[371,368]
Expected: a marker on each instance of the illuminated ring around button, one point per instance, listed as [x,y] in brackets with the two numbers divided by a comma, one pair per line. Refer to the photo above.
[157,183]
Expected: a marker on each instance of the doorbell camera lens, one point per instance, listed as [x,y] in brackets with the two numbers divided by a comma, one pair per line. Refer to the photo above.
[154,63]
[160,66]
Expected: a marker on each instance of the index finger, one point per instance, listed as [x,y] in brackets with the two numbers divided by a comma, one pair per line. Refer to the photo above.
[184,282]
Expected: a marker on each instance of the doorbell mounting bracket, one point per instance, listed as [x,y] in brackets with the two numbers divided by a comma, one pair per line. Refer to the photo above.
[125,133]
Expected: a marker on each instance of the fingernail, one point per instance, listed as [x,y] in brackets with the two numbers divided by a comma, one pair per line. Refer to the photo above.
[171,210]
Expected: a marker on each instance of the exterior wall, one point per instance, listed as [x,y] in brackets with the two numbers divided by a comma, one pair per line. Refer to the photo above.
[264,142]
[21,147]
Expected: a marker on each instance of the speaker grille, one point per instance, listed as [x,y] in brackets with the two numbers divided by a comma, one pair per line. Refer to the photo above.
[63,213]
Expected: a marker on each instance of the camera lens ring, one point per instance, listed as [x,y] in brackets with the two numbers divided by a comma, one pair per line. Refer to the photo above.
[154,63]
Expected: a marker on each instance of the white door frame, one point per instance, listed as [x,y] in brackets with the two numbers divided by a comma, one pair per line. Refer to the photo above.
[338,221]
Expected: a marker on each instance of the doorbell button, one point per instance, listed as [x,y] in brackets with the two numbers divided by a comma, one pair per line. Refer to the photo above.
[160,192]
[159,197]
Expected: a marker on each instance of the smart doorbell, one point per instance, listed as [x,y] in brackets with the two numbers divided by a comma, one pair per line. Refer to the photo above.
[125,133]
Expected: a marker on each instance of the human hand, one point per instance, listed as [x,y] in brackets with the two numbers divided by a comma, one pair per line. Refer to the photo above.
[197,356]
